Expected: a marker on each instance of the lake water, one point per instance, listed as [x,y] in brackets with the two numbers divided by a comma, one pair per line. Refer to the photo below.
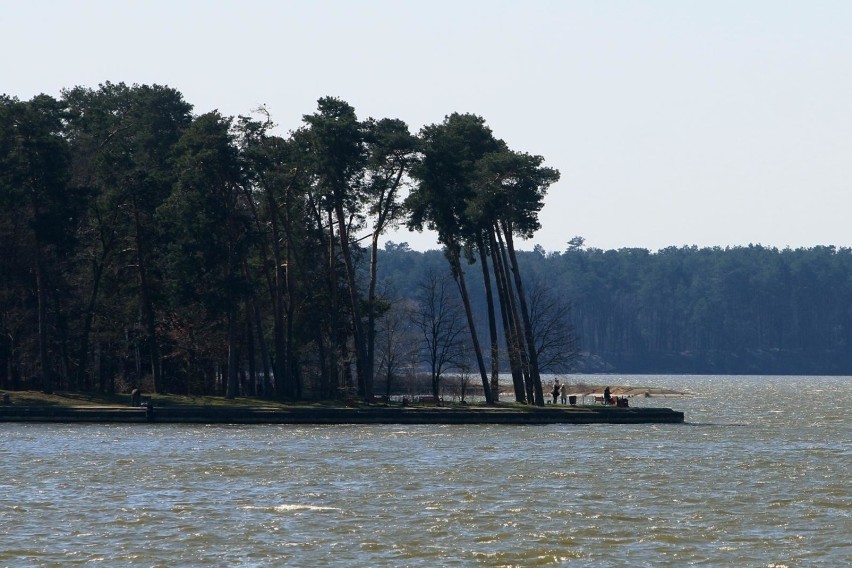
[758,476]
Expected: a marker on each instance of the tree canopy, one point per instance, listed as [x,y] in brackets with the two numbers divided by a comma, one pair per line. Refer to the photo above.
[144,245]
[147,246]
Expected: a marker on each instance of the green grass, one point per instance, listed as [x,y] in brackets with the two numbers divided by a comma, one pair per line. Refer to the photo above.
[37,398]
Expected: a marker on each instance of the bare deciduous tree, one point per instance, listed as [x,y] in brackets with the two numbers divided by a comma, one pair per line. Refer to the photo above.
[555,338]
[462,383]
[396,341]
[440,320]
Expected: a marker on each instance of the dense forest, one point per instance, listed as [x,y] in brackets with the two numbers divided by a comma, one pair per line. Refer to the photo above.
[740,310]
[145,246]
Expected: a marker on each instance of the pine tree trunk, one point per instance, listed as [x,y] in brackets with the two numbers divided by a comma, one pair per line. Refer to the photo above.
[517,336]
[528,335]
[282,386]
[458,274]
[492,321]
[332,377]
[364,374]
[251,353]
[232,385]
[507,314]
[41,294]
[147,307]
[371,308]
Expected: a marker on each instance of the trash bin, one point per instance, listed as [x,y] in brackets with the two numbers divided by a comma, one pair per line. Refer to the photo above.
[572,399]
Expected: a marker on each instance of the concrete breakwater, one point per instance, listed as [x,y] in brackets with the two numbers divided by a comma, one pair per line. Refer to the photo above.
[342,415]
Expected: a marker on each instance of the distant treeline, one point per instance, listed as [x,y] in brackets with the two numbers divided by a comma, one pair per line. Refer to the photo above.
[740,310]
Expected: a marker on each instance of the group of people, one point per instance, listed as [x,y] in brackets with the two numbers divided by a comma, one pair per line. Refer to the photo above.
[559,390]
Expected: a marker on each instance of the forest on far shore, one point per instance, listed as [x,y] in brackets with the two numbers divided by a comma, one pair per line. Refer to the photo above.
[735,310]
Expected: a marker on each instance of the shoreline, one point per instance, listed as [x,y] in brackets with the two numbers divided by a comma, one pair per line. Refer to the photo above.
[339,415]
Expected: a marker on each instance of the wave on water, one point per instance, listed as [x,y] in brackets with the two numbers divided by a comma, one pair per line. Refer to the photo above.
[740,484]
[290,507]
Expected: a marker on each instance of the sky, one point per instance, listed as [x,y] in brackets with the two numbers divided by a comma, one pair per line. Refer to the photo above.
[673,123]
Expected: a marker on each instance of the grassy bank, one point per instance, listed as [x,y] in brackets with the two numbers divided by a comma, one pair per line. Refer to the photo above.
[37,398]
[70,408]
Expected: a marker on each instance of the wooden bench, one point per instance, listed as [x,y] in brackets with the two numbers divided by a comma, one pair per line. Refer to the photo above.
[428,400]
[619,401]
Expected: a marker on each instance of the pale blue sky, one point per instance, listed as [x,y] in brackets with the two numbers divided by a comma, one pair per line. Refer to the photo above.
[672,122]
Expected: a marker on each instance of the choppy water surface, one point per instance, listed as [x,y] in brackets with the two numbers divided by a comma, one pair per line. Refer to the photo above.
[759,476]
